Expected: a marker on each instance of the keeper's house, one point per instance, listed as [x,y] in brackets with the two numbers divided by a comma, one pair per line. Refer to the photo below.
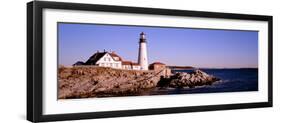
[111,59]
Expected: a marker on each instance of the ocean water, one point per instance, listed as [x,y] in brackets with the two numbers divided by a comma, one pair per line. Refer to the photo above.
[232,80]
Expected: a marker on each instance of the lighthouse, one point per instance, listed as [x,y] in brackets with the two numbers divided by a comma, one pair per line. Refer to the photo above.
[142,59]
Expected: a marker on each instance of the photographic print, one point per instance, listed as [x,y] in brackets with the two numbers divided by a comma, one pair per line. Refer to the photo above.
[101,60]
[115,61]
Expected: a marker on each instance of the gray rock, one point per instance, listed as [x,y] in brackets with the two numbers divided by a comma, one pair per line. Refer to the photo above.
[196,78]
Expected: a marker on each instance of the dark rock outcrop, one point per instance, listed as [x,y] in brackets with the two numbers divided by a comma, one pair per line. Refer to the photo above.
[182,79]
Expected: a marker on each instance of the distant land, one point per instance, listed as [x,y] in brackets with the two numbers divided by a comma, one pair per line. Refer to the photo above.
[180,67]
[229,68]
[174,67]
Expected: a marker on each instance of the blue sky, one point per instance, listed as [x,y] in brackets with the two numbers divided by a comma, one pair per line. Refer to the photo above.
[173,46]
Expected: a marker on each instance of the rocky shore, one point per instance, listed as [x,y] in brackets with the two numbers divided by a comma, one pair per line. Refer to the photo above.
[84,82]
[183,79]
[90,81]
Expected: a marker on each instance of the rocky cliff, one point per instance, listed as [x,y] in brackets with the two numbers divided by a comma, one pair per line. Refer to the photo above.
[83,82]
[90,81]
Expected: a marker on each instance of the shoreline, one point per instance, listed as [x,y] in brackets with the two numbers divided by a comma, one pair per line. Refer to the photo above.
[87,82]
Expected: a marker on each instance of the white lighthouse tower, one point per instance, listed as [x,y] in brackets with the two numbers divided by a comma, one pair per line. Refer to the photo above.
[142,59]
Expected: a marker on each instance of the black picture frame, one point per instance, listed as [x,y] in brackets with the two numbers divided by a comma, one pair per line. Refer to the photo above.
[35,69]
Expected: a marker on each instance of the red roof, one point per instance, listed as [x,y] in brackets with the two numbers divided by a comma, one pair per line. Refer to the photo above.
[129,63]
[135,63]
[157,63]
[115,55]
[126,62]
